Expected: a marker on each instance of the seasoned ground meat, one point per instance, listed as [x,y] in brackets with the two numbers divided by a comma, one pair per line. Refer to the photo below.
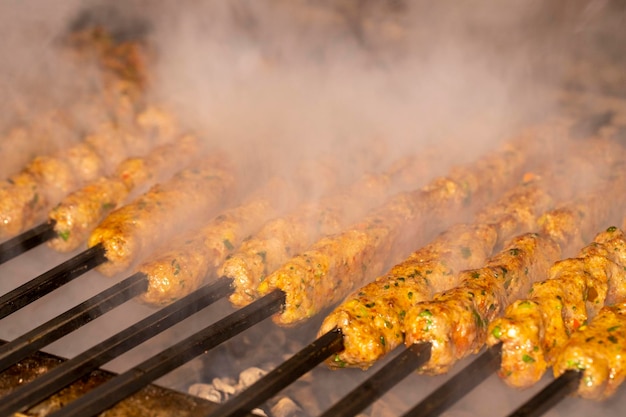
[372,318]
[598,350]
[190,196]
[283,237]
[534,330]
[335,265]
[81,211]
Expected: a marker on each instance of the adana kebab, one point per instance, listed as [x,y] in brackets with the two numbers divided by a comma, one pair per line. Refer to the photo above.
[455,322]
[194,258]
[535,329]
[193,194]
[185,264]
[372,318]
[182,266]
[26,196]
[335,265]
[284,236]
[598,351]
[81,211]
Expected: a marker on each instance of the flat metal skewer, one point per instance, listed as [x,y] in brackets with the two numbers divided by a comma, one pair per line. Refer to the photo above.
[69,371]
[131,381]
[387,377]
[292,369]
[550,396]
[26,241]
[459,385]
[72,319]
[51,280]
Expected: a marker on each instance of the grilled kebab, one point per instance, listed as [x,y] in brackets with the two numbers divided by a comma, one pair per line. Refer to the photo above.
[122,77]
[598,350]
[26,196]
[455,322]
[188,198]
[192,258]
[534,330]
[335,265]
[81,211]
[371,319]
[184,265]
[284,236]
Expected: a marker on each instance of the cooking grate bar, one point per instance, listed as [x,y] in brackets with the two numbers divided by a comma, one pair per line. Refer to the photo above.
[74,318]
[26,241]
[282,376]
[131,381]
[550,396]
[51,280]
[73,369]
[382,381]
[459,385]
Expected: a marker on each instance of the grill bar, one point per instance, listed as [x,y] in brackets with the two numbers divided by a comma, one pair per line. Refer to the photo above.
[281,377]
[51,280]
[387,377]
[26,241]
[75,368]
[459,385]
[126,384]
[72,319]
[551,395]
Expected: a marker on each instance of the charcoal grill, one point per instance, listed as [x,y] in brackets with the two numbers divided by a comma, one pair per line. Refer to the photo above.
[365,386]
[198,331]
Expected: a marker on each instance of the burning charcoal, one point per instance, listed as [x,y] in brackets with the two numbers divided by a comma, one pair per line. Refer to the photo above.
[250,376]
[206,391]
[286,407]
[225,385]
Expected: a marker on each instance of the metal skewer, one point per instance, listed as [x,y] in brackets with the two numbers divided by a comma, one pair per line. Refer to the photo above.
[459,385]
[73,369]
[550,396]
[388,376]
[54,329]
[51,280]
[26,241]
